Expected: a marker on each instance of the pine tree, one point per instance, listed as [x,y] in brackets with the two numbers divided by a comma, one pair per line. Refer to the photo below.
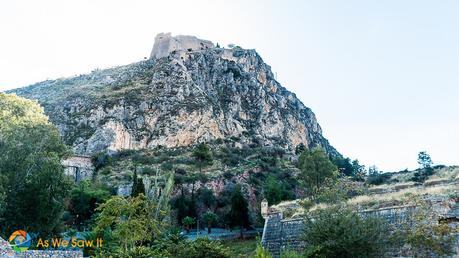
[202,155]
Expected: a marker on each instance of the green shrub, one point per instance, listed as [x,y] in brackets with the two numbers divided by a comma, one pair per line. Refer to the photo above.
[101,159]
[341,232]
[84,199]
[290,254]
[340,190]
[141,158]
[378,178]
[106,171]
[205,248]
[167,166]
[261,252]
[148,171]
[172,244]
[428,237]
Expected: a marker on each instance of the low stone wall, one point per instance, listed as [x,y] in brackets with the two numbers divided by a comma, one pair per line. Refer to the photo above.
[288,234]
[7,252]
[49,254]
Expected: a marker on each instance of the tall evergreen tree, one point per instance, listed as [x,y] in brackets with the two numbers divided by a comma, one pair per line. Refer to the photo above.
[202,155]
[137,186]
[239,214]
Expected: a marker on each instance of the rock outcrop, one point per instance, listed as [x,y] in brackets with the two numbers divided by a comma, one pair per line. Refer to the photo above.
[188,92]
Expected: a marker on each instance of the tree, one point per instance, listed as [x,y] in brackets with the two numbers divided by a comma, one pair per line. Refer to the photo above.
[202,155]
[206,197]
[424,160]
[315,168]
[375,177]
[358,171]
[210,218]
[188,222]
[32,179]
[426,169]
[373,170]
[341,232]
[127,222]
[84,199]
[273,190]
[344,165]
[137,186]
[239,213]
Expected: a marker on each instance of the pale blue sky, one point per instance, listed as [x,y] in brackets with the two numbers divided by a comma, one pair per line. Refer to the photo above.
[381,76]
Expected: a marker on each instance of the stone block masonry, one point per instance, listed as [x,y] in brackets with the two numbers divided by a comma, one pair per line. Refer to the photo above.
[288,234]
[49,254]
[78,167]
[7,252]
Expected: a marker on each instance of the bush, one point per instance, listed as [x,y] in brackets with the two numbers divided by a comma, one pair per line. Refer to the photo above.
[290,254]
[172,244]
[167,166]
[84,199]
[276,190]
[101,159]
[142,159]
[205,248]
[341,232]
[148,171]
[261,252]
[340,190]
[378,178]
[428,237]
[422,174]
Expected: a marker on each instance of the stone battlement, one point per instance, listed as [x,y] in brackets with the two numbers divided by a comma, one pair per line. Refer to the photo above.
[165,43]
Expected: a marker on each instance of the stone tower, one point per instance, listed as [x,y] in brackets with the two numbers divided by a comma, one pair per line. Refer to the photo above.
[165,43]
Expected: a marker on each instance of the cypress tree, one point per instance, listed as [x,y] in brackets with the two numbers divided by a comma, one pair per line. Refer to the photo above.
[137,186]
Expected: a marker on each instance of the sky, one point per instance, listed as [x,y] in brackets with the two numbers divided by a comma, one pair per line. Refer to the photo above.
[382,77]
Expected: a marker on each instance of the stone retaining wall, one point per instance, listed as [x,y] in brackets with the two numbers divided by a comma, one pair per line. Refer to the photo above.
[287,234]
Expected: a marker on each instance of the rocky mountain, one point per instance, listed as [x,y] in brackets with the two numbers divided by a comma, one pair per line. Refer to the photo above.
[189,91]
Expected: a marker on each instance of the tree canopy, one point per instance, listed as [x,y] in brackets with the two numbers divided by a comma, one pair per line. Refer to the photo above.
[32,181]
[315,168]
[202,155]
[239,214]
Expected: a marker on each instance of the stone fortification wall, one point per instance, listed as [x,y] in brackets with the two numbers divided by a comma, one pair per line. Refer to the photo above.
[288,234]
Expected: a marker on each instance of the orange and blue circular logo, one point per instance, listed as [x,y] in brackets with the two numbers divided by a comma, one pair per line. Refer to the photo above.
[20,240]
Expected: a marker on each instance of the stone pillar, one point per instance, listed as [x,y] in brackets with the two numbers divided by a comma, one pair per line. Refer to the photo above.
[264,208]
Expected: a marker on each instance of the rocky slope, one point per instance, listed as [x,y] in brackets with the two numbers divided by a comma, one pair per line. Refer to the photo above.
[189,91]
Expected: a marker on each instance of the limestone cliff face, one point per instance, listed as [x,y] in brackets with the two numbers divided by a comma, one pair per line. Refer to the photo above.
[188,92]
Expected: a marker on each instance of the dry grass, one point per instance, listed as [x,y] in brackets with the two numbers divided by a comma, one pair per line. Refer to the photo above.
[404,196]
[448,173]
[294,208]
[392,186]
